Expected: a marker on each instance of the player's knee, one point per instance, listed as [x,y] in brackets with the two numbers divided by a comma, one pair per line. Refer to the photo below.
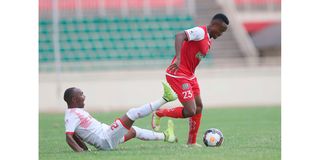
[189,113]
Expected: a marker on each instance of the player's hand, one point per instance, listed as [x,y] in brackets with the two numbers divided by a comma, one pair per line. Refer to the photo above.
[173,68]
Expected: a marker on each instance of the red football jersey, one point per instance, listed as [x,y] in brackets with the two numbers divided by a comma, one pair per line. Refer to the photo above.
[192,51]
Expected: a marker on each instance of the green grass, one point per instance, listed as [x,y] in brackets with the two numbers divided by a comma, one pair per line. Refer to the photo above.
[250,134]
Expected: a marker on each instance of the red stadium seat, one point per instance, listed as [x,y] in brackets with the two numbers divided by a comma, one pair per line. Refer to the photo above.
[111,4]
[252,27]
[256,2]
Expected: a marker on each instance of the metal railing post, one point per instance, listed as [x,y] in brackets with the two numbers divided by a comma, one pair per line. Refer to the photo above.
[56,45]
[169,7]
[191,5]
[102,10]
[146,8]
[124,8]
[79,9]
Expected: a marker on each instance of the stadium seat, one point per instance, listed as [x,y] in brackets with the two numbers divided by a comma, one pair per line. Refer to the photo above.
[96,39]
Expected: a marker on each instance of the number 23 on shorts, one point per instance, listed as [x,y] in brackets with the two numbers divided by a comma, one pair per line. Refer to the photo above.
[187,94]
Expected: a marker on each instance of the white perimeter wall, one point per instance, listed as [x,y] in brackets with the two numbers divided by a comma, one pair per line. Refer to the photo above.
[120,90]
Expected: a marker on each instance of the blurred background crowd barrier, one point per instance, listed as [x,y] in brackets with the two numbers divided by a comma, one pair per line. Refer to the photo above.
[117,51]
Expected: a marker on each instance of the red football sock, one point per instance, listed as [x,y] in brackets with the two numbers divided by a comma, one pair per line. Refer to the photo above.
[194,124]
[172,112]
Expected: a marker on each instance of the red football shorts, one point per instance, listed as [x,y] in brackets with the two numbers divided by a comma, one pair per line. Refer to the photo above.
[184,88]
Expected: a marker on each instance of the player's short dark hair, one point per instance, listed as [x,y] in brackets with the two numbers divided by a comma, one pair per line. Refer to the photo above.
[68,94]
[222,17]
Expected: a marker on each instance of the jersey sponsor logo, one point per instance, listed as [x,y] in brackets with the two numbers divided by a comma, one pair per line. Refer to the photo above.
[185,86]
[200,56]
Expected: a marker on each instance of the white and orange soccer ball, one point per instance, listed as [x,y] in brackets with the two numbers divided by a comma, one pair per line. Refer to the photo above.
[213,137]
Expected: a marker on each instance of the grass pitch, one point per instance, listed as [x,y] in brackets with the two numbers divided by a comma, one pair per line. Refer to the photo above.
[250,134]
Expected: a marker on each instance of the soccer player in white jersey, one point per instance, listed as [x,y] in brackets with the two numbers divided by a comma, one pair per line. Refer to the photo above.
[82,127]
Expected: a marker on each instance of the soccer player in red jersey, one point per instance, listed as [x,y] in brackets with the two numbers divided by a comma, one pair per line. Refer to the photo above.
[191,46]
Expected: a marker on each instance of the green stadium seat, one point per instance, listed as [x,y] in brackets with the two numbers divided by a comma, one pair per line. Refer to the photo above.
[130,38]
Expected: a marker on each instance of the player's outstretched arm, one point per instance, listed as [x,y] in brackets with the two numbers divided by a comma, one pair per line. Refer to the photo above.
[73,144]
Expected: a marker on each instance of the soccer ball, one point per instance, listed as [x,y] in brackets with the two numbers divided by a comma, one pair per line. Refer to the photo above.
[213,137]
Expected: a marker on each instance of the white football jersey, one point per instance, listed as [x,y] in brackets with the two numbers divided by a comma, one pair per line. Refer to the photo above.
[78,121]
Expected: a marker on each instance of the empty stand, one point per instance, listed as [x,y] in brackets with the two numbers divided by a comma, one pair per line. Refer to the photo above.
[99,39]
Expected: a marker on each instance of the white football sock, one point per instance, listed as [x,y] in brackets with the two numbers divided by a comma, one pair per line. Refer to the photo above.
[148,135]
[135,113]
[158,103]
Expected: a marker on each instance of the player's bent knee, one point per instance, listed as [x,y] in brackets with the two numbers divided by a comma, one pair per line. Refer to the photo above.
[189,113]
[189,108]
[132,132]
